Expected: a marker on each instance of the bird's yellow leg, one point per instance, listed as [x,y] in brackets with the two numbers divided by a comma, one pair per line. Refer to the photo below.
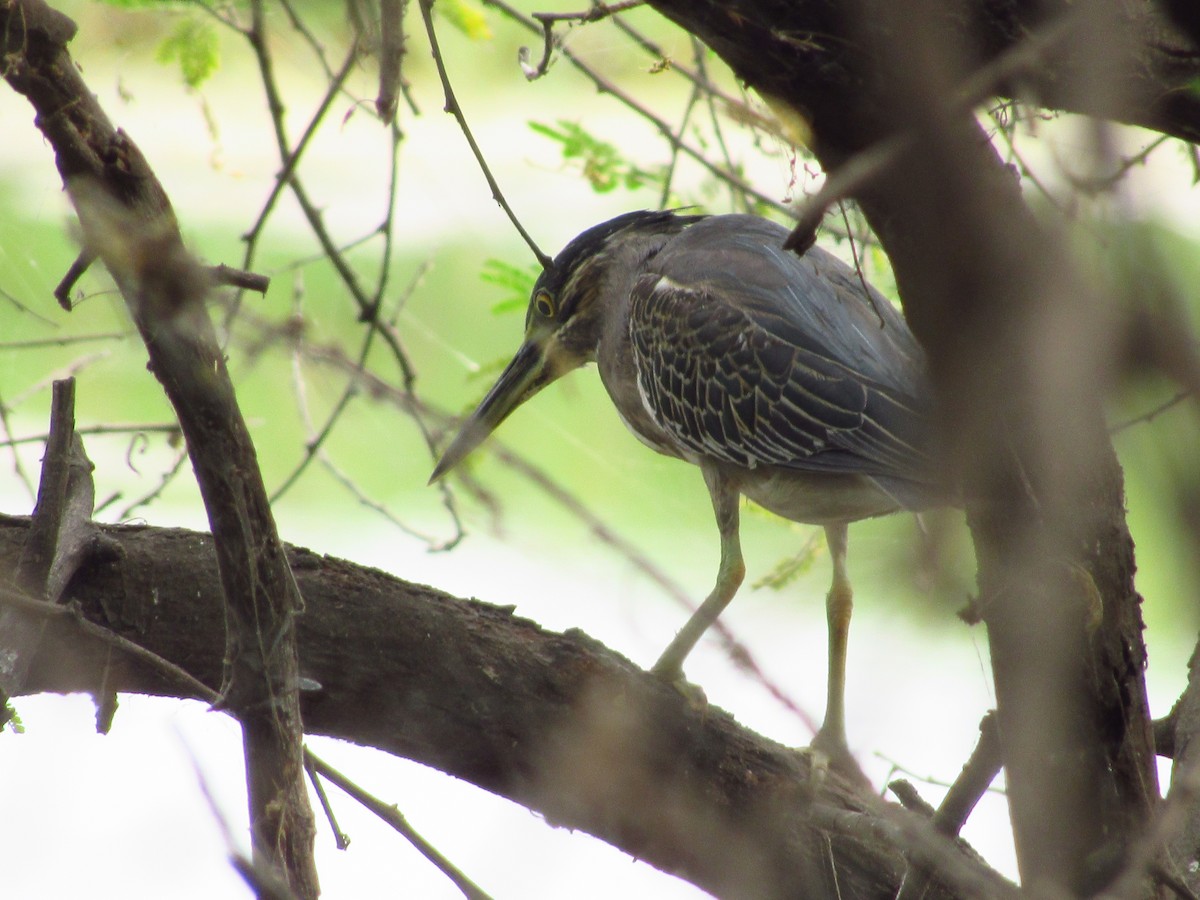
[839,604]
[725,495]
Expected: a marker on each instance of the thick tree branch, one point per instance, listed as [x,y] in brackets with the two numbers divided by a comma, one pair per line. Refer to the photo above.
[553,721]
[127,221]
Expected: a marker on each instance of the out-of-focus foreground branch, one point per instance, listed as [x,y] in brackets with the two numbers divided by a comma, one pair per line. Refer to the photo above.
[1021,351]
[128,224]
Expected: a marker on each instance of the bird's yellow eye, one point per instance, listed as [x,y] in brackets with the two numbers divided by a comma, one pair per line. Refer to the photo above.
[543,302]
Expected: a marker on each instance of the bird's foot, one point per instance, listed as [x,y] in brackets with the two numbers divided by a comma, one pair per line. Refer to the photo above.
[830,753]
[672,674]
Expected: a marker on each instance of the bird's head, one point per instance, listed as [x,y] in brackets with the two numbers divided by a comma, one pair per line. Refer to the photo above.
[562,323]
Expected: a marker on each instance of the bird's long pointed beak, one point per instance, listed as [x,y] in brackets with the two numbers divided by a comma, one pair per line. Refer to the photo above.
[520,380]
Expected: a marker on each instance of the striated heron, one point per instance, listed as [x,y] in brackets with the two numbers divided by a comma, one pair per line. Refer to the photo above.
[783,377]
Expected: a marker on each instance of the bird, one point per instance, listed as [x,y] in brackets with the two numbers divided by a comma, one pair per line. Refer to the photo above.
[784,377]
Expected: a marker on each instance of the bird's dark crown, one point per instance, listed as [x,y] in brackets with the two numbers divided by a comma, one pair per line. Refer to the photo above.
[561,280]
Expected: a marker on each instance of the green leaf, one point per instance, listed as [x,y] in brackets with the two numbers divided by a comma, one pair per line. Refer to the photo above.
[517,283]
[790,568]
[467,16]
[193,44]
[600,162]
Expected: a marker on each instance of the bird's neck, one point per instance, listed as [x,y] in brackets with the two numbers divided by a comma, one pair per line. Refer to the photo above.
[627,261]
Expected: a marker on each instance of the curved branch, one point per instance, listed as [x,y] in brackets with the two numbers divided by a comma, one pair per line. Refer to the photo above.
[552,721]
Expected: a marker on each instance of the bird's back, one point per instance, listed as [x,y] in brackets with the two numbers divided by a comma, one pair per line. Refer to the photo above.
[753,356]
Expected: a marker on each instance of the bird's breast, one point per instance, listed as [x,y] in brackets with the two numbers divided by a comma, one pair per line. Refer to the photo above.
[623,391]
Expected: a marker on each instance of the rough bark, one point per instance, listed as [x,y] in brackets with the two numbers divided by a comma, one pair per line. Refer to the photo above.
[1020,353]
[128,224]
[552,721]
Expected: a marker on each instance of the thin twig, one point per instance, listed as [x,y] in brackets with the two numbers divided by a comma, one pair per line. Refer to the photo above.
[64,341]
[62,293]
[453,107]
[165,480]
[661,125]
[18,466]
[239,278]
[340,838]
[1151,414]
[155,428]
[390,814]
[291,161]
[549,20]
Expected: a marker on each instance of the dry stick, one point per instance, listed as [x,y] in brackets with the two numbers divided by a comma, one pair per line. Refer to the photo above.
[390,814]
[661,125]
[62,293]
[156,428]
[258,42]
[391,52]
[38,556]
[239,278]
[455,110]
[7,431]
[978,773]
[34,571]
[548,21]
[341,840]
[291,160]
[128,222]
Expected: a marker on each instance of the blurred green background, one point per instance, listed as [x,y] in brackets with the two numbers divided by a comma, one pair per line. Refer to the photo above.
[588,157]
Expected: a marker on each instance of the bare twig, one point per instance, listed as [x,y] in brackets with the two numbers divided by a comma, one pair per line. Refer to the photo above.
[66,340]
[977,775]
[549,20]
[37,559]
[1151,414]
[391,52]
[155,428]
[390,814]
[453,107]
[340,838]
[663,127]
[62,293]
[239,278]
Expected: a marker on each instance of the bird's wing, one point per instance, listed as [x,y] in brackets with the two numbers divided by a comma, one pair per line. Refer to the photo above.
[754,356]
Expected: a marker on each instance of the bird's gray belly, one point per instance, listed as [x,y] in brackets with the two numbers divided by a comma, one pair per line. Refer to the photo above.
[816,499]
